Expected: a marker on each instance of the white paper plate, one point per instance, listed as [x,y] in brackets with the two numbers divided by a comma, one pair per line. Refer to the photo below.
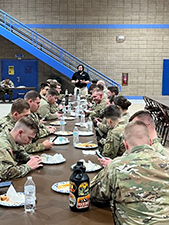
[64,133]
[85,133]
[57,123]
[61,141]
[61,187]
[89,169]
[89,146]
[46,159]
[13,204]
[79,124]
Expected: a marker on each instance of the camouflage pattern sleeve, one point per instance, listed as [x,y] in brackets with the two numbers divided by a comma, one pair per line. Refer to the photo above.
[54,108]
[114,143]
[137,187]
[20,155]
[43,131]
[9,168]
[34,147]
[44,111]
[104,126]
[98,110]
[158,146]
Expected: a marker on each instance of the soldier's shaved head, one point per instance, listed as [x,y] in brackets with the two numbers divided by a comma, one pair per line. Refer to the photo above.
[136,133]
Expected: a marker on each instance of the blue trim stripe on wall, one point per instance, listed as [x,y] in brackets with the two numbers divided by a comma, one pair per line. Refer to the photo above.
[99,26]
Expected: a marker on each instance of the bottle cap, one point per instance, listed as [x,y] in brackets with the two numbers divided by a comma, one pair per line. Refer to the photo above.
[29,178]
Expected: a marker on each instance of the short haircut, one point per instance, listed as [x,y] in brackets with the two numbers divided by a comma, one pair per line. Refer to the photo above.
[32,95]
[43,85]
[97,90]
[52,92]
[136,133]
[91,88]
[100,86]
[141,115]
[113,89]
[112,112]
[25,123]
[19,105]
[122,102]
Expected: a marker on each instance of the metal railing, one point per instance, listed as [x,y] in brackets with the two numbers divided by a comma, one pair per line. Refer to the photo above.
[49,48]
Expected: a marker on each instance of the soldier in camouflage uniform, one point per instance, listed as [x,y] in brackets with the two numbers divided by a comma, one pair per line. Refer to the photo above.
[19,109]
[135,185]
[33,99]
[113,144]
[100,103]
[45,109]
[22,133]
[5,87]
[44,87]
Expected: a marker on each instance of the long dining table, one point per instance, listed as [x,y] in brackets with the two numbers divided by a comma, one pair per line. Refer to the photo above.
[53,207]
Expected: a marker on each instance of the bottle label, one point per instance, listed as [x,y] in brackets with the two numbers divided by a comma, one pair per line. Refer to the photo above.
[83,189]
[72,200]
[83,202]
[72,187]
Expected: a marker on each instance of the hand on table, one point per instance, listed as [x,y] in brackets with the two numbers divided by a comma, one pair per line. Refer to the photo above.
[51,129]
[35,162]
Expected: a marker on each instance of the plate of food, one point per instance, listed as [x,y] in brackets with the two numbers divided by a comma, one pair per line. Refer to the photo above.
[5,201]
[85,133]
[86,145]
[64,133]
[52,159]
[81,124]
[57,123]
[61,187]
[61,141]
[90,167]
[69,118]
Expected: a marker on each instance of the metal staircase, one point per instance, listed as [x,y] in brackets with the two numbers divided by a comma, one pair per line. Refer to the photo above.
[45,50]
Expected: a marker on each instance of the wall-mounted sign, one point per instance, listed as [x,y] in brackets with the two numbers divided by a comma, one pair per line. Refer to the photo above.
[11,70]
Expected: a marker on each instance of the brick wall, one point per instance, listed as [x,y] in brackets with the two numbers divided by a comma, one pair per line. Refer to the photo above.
[141,55]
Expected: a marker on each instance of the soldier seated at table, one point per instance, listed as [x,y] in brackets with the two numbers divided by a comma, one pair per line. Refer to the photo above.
[11,151]
[6,86]
[46,106]
[113,145]
[135,185]
[97,109]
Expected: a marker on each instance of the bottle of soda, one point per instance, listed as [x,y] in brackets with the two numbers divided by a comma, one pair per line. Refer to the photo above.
[79,197]
[30,195]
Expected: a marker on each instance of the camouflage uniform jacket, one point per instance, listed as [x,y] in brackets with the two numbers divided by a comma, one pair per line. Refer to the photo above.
[43,131]
[136,186]
[125,117]
[9,156]
[7,121]
[10,83]
[98,110]
[113,145]
[54,108]
[45,110]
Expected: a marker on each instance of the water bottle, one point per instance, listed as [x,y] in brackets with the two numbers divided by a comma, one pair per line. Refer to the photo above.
[75,136]
[62,123]
[90,124]
[30,193]
[82,122]
[79,196]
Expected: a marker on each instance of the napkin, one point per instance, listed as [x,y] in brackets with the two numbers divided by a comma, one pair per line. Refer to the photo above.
[89,152]
[57,158]
[13,196]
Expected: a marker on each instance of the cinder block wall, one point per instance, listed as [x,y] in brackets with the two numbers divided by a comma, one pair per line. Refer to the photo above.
[141,55]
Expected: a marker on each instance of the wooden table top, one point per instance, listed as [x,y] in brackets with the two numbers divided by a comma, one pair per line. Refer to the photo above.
[52,207]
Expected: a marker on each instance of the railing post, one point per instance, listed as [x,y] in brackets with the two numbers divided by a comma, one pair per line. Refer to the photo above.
[61,56]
